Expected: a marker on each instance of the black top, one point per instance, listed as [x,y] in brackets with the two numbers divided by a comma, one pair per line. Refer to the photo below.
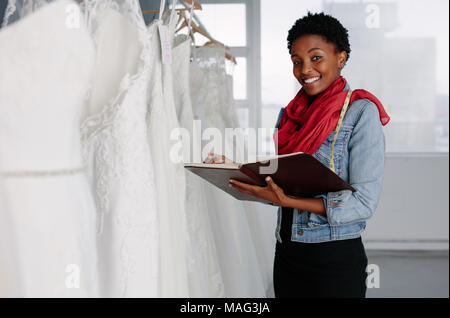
[286,224]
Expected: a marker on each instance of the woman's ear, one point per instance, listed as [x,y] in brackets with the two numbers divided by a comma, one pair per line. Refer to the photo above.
[342,59]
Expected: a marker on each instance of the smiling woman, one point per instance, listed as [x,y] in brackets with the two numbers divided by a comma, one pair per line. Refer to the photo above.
[325,117]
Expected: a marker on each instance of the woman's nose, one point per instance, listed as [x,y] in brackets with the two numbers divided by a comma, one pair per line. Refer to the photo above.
[305,69]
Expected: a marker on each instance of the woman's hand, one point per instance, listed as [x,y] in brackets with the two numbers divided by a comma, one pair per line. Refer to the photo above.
[272,192]
[213,158]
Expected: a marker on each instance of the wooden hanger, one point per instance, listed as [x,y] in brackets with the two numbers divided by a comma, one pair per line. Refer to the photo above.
[228,56]
[181,17]
[198,29]
[194,27]
[231,58]
[211,42]
[184,24]
[197,6]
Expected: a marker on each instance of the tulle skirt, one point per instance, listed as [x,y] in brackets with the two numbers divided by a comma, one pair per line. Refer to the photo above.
[47,237]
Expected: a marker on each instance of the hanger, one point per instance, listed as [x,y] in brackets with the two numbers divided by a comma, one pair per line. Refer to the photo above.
[228,56]
[194,27]
[181,17]
[197,29]
[197,6]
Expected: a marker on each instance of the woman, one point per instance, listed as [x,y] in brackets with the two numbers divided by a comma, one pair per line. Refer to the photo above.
[319,252]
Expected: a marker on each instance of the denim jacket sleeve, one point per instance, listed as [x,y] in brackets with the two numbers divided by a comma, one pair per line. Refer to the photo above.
[365,166]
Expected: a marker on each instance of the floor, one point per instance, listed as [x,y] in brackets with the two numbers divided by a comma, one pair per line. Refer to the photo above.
[406,274]
[409,274]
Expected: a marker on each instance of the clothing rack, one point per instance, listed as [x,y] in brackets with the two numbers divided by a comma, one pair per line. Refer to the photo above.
[197,6]
[200,25]
[194,16]
[156,11]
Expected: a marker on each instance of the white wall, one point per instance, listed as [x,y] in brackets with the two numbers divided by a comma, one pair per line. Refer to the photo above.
[413,212]
[413,209]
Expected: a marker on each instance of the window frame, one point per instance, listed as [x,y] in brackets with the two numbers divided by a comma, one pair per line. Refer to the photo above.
[252,53]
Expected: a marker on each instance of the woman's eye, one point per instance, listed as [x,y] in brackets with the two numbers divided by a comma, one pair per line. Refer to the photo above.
[316,58]
[296,62]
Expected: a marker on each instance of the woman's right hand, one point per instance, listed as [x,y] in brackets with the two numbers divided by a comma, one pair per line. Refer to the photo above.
[216,159]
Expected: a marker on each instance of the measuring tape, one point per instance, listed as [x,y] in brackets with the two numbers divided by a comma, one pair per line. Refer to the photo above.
[338,127]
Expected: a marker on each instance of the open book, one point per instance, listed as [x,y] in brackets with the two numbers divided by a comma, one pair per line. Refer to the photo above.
[298,174]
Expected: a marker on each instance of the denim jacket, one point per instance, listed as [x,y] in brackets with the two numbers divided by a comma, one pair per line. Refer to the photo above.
[359,160]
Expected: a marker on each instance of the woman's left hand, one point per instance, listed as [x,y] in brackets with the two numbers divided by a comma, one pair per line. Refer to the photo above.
[272,192]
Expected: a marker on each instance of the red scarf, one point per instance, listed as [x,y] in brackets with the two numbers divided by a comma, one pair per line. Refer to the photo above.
[308,121]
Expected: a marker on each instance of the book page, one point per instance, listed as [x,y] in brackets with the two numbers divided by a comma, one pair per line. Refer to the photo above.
[267,158]
[213,165]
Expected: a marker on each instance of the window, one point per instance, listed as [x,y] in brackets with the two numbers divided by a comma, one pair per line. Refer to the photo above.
[225,21]
[400,52]
[236,24]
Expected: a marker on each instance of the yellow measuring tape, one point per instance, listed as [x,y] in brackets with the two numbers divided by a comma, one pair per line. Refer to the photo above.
[338,127]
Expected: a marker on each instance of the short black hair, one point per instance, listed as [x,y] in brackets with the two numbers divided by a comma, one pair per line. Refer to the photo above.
[321,24]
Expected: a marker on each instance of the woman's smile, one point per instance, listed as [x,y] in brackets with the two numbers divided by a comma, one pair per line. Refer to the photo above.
[310,80]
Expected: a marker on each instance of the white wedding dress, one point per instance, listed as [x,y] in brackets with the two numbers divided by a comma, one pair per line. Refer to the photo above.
[263,241]
[169,175]
[205,277]
[47,214]
[239,261]
[118,155]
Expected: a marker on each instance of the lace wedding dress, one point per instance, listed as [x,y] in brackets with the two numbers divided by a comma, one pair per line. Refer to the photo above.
[169,175]
[263,242]
[205,278]
[238,259]
[116,149]
[47,214]
[17,9]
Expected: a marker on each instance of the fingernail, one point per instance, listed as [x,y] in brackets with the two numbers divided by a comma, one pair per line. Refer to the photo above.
[268,179]
[231,181]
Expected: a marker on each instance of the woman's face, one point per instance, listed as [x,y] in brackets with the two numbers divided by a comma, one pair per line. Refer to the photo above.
[317,63]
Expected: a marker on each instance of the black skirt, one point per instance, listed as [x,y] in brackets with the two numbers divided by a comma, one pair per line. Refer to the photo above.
[331,269]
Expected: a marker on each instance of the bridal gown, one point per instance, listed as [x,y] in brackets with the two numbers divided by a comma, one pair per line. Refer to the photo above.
[117,152]
[205,278]
[238,259]
[47,213]
[169,175]
[263,241]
